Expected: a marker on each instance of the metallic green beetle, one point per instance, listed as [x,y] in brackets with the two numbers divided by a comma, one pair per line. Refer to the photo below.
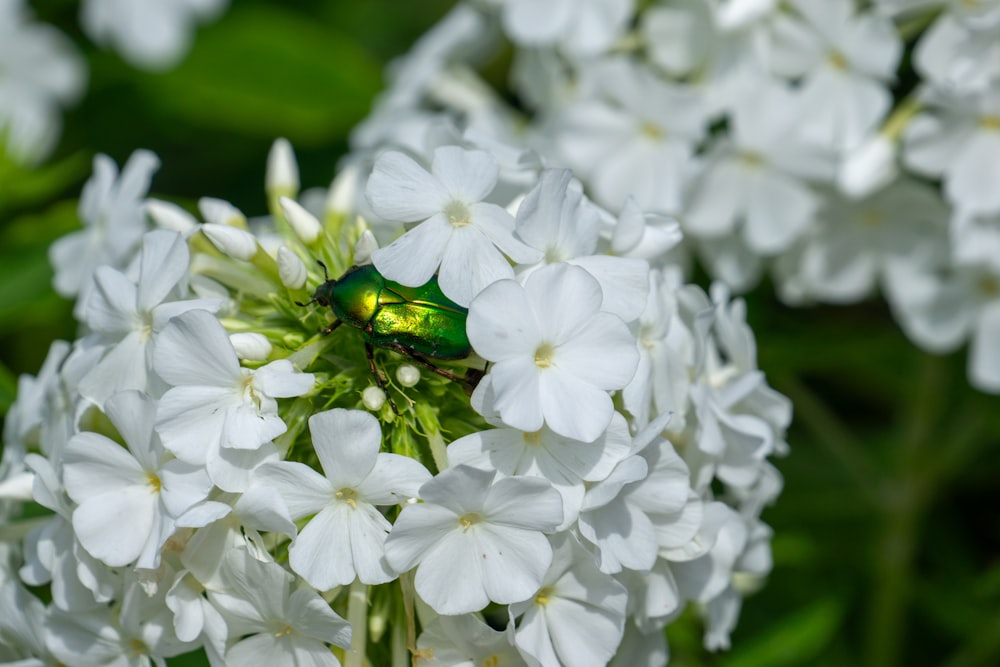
[418,322]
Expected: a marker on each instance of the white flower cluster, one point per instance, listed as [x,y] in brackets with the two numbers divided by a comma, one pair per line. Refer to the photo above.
[775,133]
[41,71]
[226,471]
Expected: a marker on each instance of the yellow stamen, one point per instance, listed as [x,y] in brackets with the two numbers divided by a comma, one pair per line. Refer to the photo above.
[544,354]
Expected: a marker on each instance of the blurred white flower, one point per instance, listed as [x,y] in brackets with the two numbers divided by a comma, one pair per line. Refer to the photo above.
[40,72]
[151,34]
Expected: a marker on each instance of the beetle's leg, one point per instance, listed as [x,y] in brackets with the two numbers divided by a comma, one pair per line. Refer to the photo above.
[470,380]
[333,325]
[370,353]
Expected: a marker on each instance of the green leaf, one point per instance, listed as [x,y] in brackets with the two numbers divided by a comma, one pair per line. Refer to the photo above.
[8,390]
[23,186]
[268,71]
[792,640]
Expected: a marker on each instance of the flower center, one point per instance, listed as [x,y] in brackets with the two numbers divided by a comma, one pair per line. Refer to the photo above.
[837,60]
[544,354]
[458,214]
[533,438]
[651,130]
[870,218]
[542,596]
[469,519]
[153,482]
[989,286]
[751,159]
[348,496]
[287,630]
[991,122]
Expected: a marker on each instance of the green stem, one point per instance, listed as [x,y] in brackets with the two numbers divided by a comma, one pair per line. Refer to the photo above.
[357,616]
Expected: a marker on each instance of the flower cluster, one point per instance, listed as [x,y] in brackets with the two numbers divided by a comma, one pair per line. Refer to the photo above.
[226,470]
[790,139]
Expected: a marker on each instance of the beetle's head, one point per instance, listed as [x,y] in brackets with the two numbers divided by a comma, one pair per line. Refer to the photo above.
[324,293]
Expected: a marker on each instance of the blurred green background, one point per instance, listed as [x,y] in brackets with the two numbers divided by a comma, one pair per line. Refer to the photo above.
[887,536]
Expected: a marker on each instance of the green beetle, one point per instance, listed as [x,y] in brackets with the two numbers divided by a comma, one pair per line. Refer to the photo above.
[418,322]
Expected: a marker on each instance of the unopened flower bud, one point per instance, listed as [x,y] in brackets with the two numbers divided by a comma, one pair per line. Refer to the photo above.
[170,216]
[364,248]
[303,223]
[373,398]
[342,195]
[237,243]
[868,168]
[408,375]
[282,177]
[221,212]
[251,346]
[291,270]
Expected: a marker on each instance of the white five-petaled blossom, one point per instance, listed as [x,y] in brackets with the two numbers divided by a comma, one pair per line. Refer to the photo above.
[555,353]
[111,210]
[578,616]
[39,72]
[580,27]
[476,539]
[152,34]
[130,316]
[345,537]
[276,623]
[215,404]
[128,499]
[459,235]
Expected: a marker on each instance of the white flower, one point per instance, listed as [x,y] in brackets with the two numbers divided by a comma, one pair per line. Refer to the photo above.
[459,234]
[578,616]
[130,316]
[128,499]
[755,180]
[276,623]
[111,211]
[581,27]
[152,34]
[564,462]
[958,139]
[461,641]
[843,95]
[344,537]
[636,137]
[958,54]
[39,72]
[558,221]
[555,353]
[475,539]
[214,403]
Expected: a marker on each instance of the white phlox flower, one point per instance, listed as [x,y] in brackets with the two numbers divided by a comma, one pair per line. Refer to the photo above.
[557,220]
[643,235]
[578,615]
[129,316]
[459,235]
[959,51]
[851,55]
[450,641]
[214,403]
[624,142]
[958,139]
[555,353]
[618,515]
[111,210]
[273,622]
[128,500]
[344,538]
[484,534]
[40,72]
[564,462]
[580,27]
[754,181]
[151,34]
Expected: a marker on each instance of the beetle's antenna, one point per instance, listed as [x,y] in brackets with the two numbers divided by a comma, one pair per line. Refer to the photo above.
[326,275]
[312,300]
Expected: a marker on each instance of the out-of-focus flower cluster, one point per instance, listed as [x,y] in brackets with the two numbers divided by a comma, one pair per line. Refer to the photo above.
[41,71]
[226,471]
[788,139]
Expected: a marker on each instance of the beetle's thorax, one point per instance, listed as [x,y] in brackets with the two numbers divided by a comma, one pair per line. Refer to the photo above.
[354,298]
